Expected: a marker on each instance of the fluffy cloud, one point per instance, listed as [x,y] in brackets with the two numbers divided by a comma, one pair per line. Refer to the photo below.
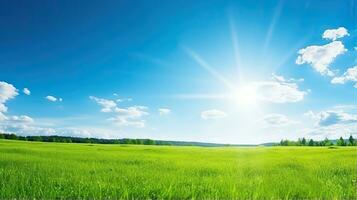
[30,129]
[333,131]
[213,114]
[124,121]
[349,75]
[320,57]
[333,123]
[7,92]
[164,111]
[107,105]
[130,116]
[53,99]
[333,34]
[277,120]
[20,119]
[333,117]
[279,90]
[26,91]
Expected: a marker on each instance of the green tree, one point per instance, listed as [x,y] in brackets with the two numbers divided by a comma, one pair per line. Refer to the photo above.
[327,142]
[311,142]
[351,141]
[341,142]
[303,142]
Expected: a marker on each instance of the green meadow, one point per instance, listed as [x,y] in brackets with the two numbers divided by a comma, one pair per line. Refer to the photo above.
[36,170]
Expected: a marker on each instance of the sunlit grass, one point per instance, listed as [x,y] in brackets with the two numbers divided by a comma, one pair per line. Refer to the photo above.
[49,170]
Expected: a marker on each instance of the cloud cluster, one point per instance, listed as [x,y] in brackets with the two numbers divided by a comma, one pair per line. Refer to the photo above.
[320,57]
[130,116]
[349,75]
[213,114]
[333,123]
[333,34]
[279,90]
[332,117]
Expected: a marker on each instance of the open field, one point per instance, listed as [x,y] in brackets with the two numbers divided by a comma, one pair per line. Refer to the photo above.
[58,170]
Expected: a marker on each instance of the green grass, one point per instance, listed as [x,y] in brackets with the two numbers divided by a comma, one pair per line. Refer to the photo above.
[31,170]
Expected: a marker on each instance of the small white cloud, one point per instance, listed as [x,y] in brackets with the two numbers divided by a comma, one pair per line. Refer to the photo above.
[213,114]
[130,116]
[320,57]
[7,92]
[164,111]
[26,91]
[277,120]
[51,98]
[279,90]
[349,75]
[333,34]
[107,105]
[132,111]
[123,121]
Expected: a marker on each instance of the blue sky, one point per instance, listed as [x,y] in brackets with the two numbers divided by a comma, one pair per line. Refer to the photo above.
[214,71]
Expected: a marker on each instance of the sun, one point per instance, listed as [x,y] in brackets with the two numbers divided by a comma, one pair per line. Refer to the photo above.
[246,96]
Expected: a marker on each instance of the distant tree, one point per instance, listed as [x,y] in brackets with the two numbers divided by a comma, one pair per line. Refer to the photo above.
[12,137]
[351,141]
[341,142]
[327,142]
[303,142]
[311,142]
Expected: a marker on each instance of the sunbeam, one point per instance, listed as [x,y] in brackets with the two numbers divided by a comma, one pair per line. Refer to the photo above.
[236,48]
[271,28]
[202,63]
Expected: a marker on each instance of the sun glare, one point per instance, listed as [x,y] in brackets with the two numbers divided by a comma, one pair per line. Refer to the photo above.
[246,96]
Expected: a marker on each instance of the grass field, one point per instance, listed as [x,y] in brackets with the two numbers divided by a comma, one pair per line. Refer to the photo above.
[54,170]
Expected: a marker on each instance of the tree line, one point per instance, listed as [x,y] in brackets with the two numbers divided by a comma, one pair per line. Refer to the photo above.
[326,142]
[65,139]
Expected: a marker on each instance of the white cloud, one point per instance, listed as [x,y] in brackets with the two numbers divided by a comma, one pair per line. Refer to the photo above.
[349,75]
[333,131]
[53,99]
[332,117]
[132,111]
[26,91]
[29,129]
[107,105]
[277,120]
[320,57]
[164,111]
[213,114]
[20,119]
[279,90]
[124,121]
[130,116]
[333,123]
[333,34]
[7,92]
